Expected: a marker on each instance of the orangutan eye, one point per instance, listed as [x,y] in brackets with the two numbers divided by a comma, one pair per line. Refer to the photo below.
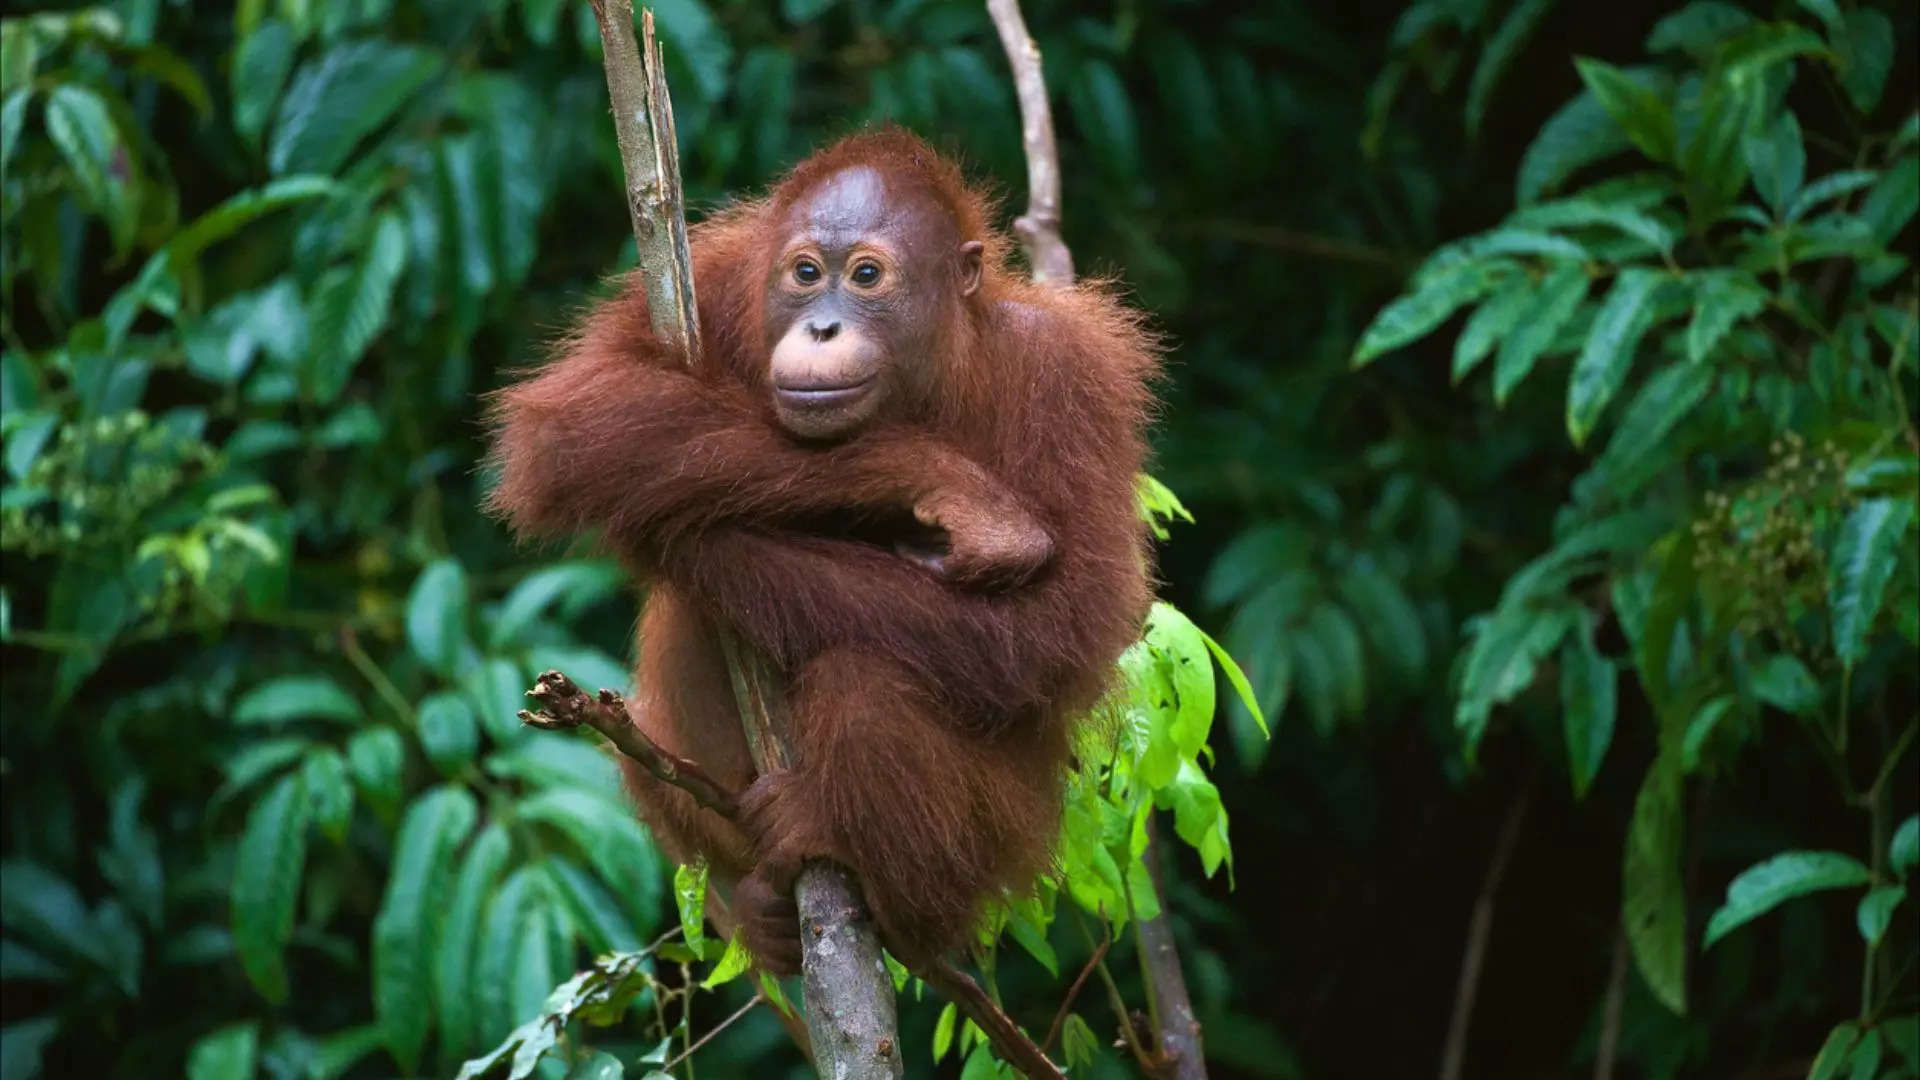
[866,274]
[806,271]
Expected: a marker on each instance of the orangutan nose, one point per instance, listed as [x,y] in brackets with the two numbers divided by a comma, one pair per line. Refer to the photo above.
[823,333]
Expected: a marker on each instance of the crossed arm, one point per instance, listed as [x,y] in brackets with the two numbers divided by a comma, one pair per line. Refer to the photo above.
[657,457]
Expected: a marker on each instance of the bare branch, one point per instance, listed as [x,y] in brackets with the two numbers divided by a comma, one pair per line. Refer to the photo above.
[650,158]
[1039,227]
[1066,1003]
[850,1006]
[565,706]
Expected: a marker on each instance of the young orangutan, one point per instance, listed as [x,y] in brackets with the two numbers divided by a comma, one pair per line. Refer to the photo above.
[903,474]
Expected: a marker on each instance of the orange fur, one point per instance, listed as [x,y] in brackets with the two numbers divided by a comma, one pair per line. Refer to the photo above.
[930,721]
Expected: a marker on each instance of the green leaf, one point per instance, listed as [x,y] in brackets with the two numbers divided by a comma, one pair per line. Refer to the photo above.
[437,615]
[334,1054]
[453,954]
[1588,212]
[350,309]
[374,756]
[1866,52]
[733,962]
[1641,446]
[13,117]
[1827,188]
[576,585]
[1559,295]
[46,910]
[699,41]
[498,692]
[1700,730]
[597,1065]
[1777,161]
[297,697]
[266,883]
[1766,885]
[407,928]
[1892,202]
[1101,107]
[690,899]
[1413,317]
[331,793]
[1490,322]
[1653,908]
[1578,135]
[1904,851]
[1640,112]
[1749,54]
[1834,1052]
[260,67]
[1876,912]
[1624,318]
[1721,299]
[1506,42]
[1785,683]
[448,732]
[943,1031]
[232,214]
[342,97]
[590,906]
[1698,29]
[81,125]
[613,841]
[1865,554]
[1392,625]
[1587,704]
[227,1054]
[1238,680]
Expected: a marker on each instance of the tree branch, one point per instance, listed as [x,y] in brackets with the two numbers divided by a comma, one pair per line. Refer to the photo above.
[564,706]
[849,997]
[841,964]
[1039,227]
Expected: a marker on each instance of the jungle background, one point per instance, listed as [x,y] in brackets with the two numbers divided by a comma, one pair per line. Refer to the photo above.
[1573,562]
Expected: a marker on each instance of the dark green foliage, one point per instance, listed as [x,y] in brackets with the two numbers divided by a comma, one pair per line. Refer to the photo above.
[1624,485]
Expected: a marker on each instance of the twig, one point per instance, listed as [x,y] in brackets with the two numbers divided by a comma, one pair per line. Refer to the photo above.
[1008,1040]
[723,1025]
[1066,1003]
[563,706]
[1610,1015]
[1039,227]
[1480,927]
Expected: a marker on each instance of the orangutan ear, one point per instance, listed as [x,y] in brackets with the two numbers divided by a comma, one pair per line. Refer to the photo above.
[970,268]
